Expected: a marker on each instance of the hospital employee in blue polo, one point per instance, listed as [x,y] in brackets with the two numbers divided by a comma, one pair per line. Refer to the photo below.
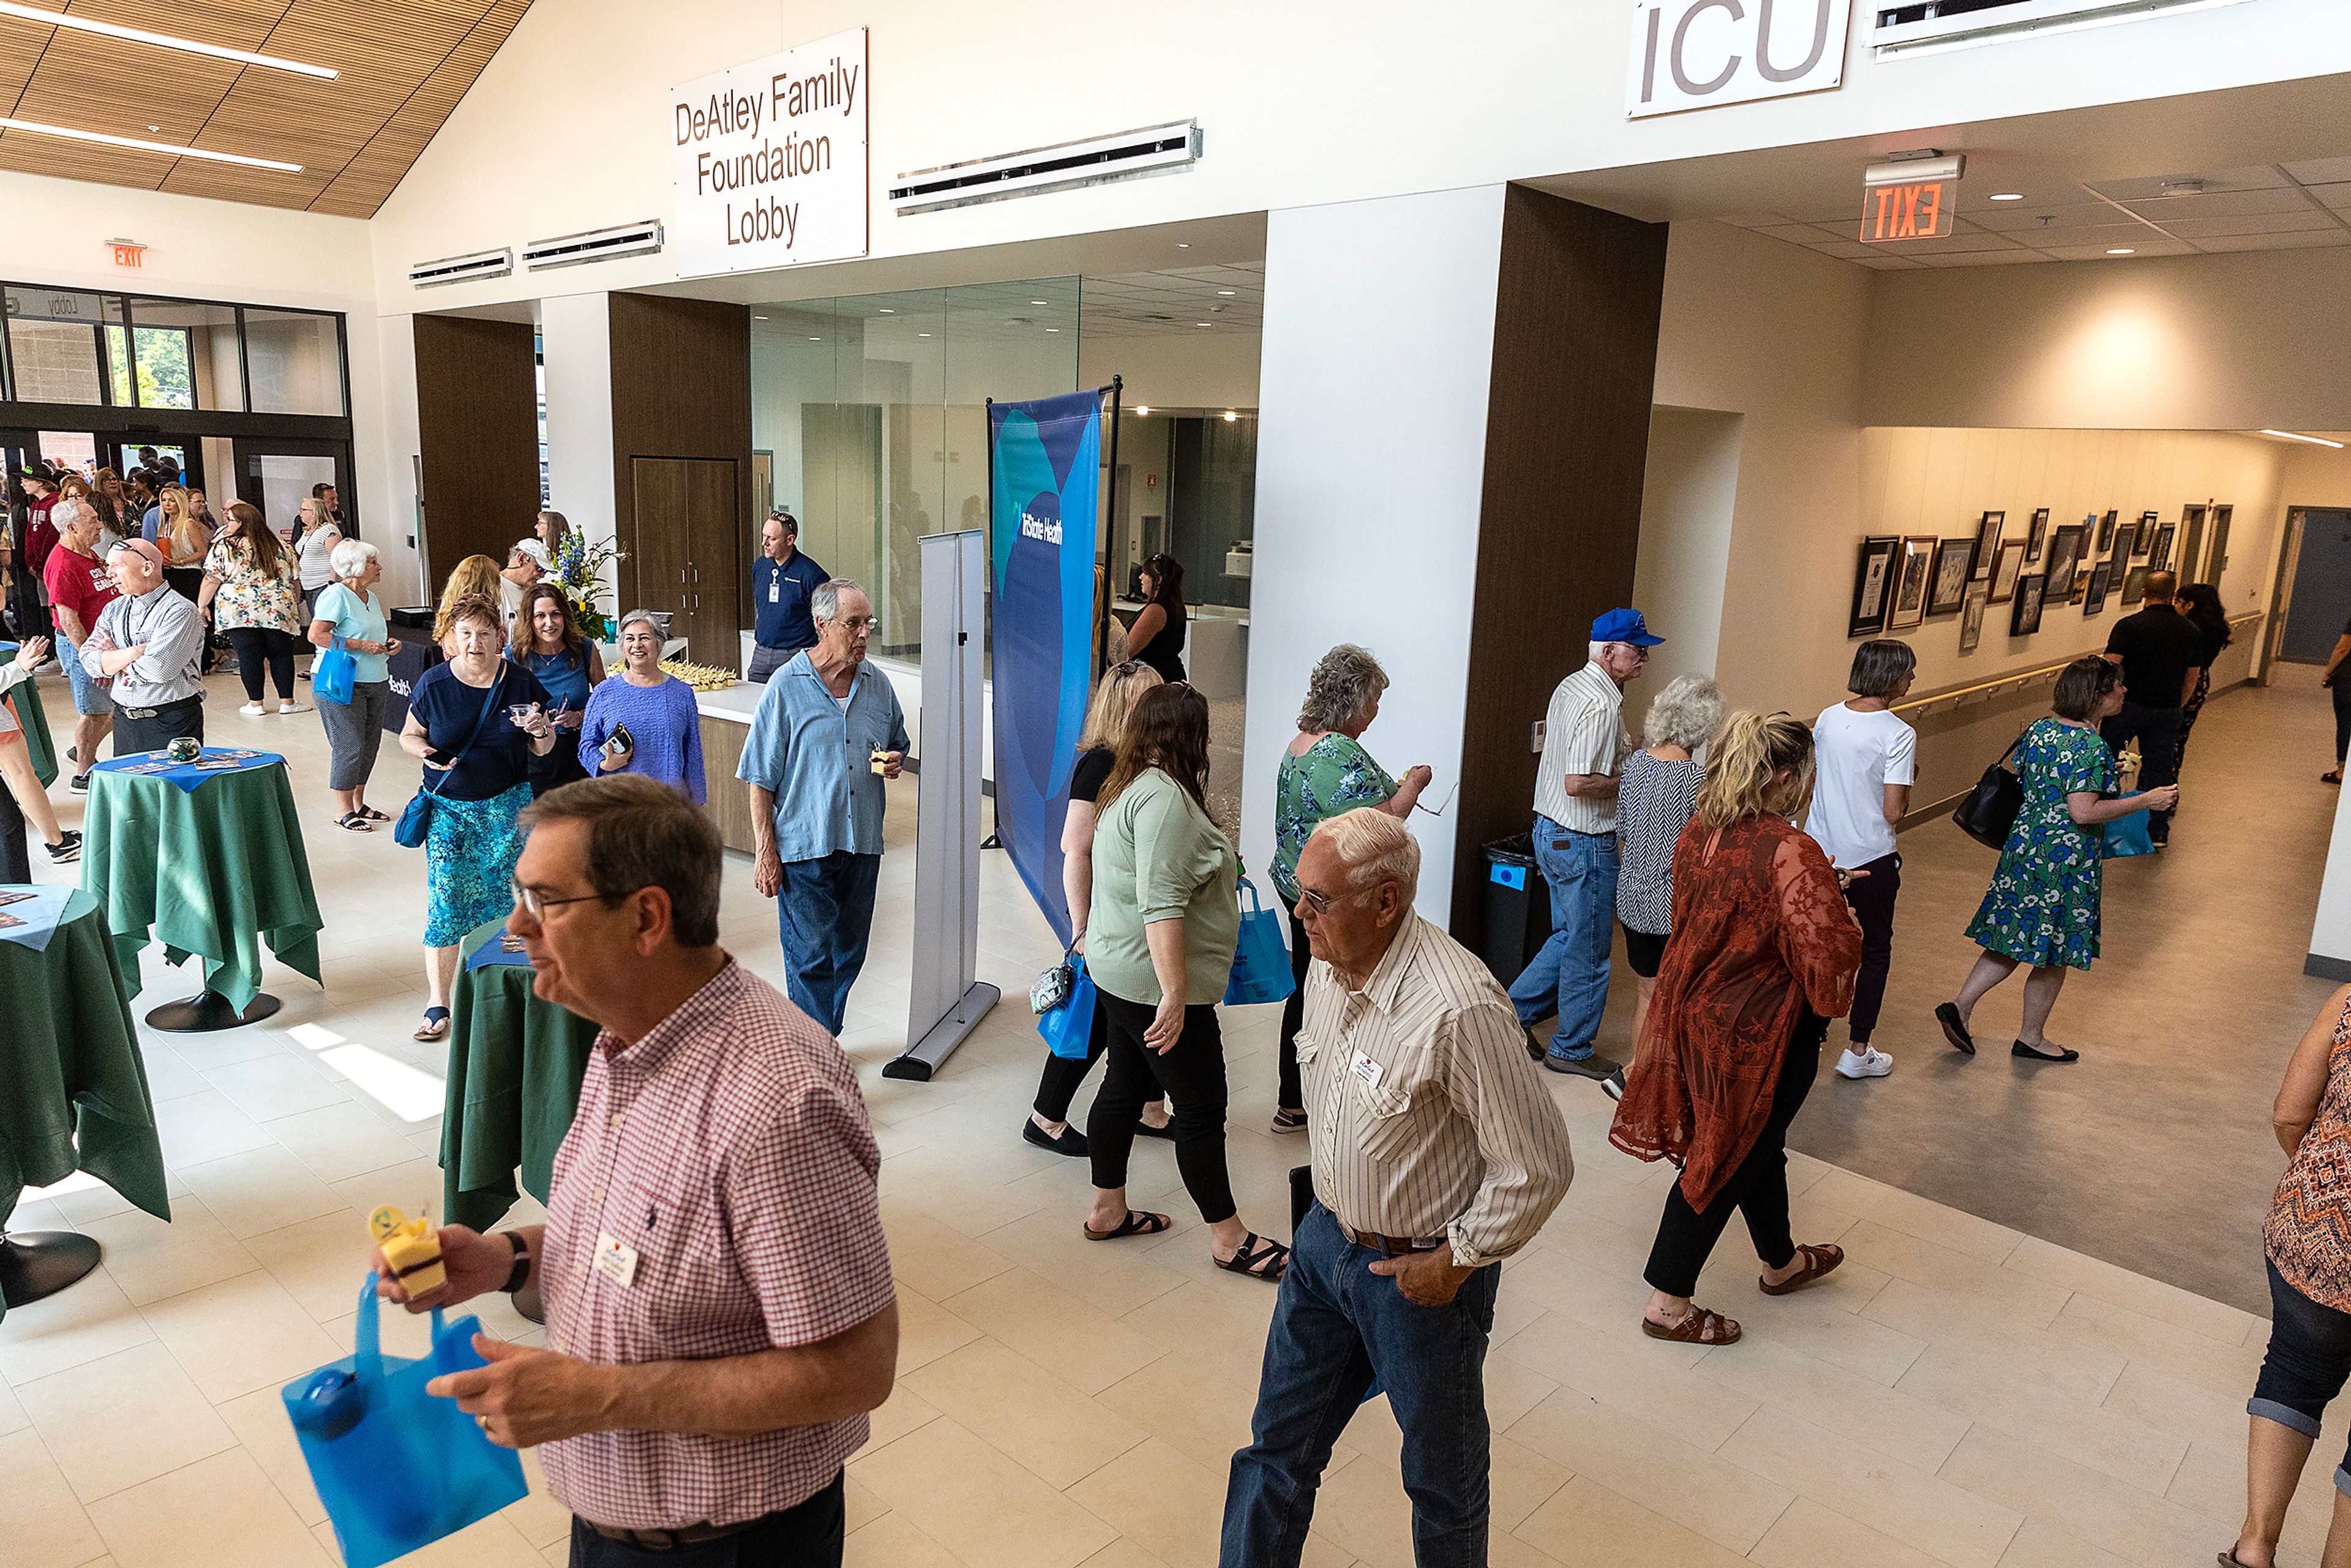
[828,732]
[783,586]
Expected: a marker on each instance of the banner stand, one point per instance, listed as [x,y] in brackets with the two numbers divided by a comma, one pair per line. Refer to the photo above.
[947,1001]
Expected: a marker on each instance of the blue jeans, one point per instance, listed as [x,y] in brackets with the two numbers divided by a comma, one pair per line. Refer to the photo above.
[1336,1326]
[825,912]
[2308,1359]
[1570,973]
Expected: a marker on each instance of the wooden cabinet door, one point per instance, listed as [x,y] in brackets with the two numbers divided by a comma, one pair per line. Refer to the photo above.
[687,542]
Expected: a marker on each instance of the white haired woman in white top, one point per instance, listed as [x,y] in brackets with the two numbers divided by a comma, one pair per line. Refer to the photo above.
[346,610]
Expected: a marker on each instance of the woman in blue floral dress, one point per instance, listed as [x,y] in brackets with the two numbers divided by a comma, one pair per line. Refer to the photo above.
[2042,908]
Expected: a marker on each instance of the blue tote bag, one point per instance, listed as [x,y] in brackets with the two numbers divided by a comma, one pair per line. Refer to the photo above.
[1067,1029]
[2129,835]
[1260,958]
[332,674]
[397,1469]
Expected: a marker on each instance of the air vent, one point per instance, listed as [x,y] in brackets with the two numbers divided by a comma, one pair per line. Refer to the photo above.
[461,268]
[1151,150]
[595,244]
[1921,25]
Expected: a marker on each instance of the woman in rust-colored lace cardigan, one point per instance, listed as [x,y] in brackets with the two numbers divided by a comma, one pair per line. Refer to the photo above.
[1763,956]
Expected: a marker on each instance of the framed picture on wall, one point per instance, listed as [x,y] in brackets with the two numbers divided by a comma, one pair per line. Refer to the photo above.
[2106,531]
[1872,586]
[1971,616]
[2038,535]
[2135,585]
[2024,613]
[2159,556]
[2094,602]
[2065,553]
[1949,583]
[2143,537]
[1915,566]
[1987,546]
[2081,585]
[2009,568]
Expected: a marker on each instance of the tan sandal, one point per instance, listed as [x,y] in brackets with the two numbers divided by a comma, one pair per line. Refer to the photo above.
[1703,1326]
[1818,1260]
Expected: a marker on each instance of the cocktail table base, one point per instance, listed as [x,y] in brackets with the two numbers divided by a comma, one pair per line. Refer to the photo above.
[38,1263]
[208,1010]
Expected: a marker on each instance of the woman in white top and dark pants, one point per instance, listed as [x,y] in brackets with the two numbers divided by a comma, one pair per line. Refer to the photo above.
[1867,759]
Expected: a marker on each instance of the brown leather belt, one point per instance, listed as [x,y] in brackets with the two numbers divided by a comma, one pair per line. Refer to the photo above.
[669,1539]
[1393,1245]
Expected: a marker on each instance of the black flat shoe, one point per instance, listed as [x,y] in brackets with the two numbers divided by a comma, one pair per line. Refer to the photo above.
[1165,1130]
[2026,1051]
[1948,1015]
[1070,1142]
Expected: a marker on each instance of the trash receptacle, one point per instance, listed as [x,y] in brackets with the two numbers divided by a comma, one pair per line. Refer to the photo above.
[1517,907]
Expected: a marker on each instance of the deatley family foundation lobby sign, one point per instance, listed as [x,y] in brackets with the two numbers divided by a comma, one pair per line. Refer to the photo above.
[770,161]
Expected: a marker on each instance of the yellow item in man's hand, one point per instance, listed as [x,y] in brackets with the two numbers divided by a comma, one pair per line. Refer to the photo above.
[411,1250]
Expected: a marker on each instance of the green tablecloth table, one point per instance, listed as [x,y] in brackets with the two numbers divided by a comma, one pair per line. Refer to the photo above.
[514,1067]
[214,872]
[35,720]
[73,1087]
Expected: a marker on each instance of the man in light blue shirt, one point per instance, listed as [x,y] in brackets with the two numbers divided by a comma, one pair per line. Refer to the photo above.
[829,731]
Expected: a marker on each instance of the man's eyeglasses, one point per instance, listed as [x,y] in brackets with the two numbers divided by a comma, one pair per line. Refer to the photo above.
[1320,903]
[868,624]
[530,903]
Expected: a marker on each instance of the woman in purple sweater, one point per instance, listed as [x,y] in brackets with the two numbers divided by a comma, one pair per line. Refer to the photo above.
[665,732]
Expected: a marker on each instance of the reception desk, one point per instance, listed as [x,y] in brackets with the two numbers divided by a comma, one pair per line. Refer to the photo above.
[725,716]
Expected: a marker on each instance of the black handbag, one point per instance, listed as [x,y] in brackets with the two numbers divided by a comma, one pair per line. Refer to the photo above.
[1989,810]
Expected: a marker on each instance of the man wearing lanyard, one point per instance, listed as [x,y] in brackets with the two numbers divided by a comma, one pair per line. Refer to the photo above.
[720,1314]
[828,730]
[783,584]
[151,644]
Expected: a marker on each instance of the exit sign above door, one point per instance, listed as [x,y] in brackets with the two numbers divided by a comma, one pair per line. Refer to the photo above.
[1924,209]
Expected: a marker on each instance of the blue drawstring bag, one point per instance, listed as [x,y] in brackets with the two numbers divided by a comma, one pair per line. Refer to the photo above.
[1067,1029]
[1260,958]
[2129,835]
[396,1467]
[332,674]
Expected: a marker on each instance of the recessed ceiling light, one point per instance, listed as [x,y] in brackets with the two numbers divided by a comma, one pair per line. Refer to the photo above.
[758,317]
[1053,328]
[1228,293]
[154,127]
[161,40]
[37,127]
[2314,440]
[1199,323]
[2008,196]
[1230,416]
[2122,250]
[887,311]
[922,334]
[1041,302]
[815,340]
[1182,245]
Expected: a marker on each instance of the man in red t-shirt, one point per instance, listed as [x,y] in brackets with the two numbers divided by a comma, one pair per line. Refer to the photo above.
[80,587]
[37,538]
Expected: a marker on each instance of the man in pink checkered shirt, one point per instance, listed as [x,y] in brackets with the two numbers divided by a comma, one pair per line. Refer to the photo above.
[720,1316]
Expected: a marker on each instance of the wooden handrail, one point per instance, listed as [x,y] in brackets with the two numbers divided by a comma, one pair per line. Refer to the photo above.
[1960,696]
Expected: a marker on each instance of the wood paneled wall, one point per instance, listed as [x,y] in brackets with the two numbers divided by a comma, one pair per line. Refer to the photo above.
[477,430]
[1567,436]
[681,388]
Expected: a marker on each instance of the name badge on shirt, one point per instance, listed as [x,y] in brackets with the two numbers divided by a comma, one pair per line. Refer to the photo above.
[614,1260]
[776,590]
[1366,1068]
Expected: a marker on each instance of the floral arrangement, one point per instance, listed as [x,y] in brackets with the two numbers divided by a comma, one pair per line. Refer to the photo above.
[579,572]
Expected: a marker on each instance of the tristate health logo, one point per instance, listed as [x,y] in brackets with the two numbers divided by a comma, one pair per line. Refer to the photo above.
[1036,527]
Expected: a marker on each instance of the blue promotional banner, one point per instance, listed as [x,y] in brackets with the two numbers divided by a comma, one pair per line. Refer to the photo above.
[1047,463]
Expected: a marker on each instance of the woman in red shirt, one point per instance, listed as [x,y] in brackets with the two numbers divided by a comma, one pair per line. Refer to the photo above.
[1762,955]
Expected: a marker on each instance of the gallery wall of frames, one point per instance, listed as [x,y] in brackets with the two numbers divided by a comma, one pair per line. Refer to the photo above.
[2021,567]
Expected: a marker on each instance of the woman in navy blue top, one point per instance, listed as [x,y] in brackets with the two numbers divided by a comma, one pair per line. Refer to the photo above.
[548,644]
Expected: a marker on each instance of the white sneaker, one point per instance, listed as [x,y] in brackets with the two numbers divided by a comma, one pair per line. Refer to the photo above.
[293,707]
[253,710]
[1867,1063]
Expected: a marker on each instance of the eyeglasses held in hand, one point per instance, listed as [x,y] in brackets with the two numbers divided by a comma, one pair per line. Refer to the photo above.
[1439,808]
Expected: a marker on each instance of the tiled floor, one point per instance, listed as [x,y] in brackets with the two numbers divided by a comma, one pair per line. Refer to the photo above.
[1960,1393]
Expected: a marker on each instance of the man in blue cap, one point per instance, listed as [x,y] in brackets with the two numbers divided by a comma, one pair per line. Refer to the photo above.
[1584,745]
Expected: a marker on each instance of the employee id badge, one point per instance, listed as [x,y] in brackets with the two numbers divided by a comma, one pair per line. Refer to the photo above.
[1366,1068]
[616,1260]
[775,590]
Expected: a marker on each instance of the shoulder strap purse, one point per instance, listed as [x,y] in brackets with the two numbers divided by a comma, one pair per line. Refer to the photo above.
[416,819]
[1989,810]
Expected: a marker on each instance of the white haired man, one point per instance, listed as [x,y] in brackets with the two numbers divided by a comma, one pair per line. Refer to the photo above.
[149,643]
[1437,1153]
[1585,746]
[828,732]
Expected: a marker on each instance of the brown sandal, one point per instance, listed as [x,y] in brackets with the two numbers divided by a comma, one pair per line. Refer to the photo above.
[1703,1326]
[1818,1260]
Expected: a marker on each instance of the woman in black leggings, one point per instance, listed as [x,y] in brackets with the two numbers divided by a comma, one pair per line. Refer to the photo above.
[2341,692]
[252,597]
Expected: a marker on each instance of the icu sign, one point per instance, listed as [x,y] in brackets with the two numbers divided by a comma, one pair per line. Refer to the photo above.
[769,165]
[1696,54]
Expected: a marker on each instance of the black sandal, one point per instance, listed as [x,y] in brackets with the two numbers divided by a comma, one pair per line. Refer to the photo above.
[354,822]
[435,1024]
[372,815]
[1259,1258]
[1138,1222]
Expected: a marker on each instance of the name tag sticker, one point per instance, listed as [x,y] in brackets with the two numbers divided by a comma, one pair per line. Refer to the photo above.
[1366,1068]
[614,1260]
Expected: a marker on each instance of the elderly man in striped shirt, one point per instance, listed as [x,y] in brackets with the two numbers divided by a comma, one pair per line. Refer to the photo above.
[1437,1153]
[1585,747]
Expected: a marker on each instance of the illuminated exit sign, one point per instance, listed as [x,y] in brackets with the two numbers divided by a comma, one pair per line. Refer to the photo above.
[1921,210]
[128,253]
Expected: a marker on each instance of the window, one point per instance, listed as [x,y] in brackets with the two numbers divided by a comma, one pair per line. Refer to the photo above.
[293,361]
[55,348]
[186,354]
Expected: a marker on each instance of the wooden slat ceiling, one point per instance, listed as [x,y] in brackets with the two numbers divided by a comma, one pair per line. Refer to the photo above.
[404,65]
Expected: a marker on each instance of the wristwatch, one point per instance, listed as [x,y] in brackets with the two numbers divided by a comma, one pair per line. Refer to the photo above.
[520,1274]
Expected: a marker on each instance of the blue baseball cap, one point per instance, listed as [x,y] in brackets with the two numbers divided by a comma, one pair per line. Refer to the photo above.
[1624,626]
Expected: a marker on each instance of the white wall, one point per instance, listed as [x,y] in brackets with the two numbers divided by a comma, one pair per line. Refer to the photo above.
[1164,370]
[576,342]
[1689,499]
[2330,932]
[1330,537]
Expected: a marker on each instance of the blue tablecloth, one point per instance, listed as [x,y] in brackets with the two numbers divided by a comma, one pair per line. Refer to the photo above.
[189,775]
[39,914]
[489,951]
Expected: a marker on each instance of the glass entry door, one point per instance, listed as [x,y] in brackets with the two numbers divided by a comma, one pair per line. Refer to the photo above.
[278,475]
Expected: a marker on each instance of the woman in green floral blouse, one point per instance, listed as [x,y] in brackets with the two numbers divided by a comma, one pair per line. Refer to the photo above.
[2042,908]
[1326,771]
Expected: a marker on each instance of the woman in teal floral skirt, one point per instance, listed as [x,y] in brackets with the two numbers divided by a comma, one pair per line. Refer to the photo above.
[2042,908]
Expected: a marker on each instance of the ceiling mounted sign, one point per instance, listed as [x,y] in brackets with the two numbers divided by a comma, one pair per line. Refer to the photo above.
[769,161]
[1696,54]
[1913,198]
